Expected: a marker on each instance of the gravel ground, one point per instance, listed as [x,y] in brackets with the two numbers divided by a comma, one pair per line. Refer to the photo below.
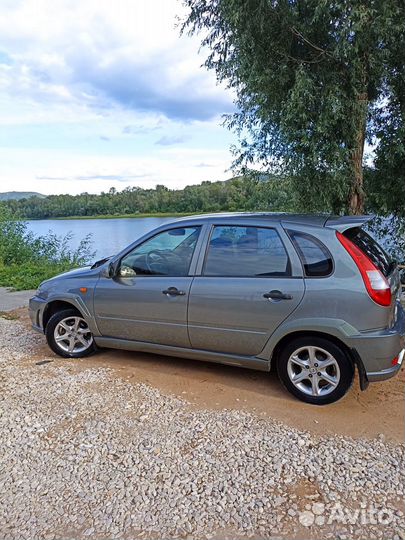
[85,454]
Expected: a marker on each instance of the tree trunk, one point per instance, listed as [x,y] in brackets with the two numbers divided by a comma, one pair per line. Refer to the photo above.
[357,196]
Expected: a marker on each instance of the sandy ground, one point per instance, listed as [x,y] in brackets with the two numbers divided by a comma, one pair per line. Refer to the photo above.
[378,410]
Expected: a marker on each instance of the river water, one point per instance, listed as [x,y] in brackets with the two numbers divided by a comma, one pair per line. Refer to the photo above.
[108,236]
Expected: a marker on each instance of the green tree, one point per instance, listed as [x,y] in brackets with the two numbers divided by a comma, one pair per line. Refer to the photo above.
[314,80]
[389,164]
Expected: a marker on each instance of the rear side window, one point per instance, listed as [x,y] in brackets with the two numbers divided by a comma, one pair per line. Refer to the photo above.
[315,257]
[371,248]
[246,252]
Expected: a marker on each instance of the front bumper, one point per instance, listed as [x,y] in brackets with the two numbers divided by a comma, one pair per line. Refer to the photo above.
[36,310]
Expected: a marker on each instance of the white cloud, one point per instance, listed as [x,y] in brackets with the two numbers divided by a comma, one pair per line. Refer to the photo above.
[87,89]
[97,52]
[62,172]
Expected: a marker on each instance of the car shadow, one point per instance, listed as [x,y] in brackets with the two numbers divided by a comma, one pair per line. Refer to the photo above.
[180,372]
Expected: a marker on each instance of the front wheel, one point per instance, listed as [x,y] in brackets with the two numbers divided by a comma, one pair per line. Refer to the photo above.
[315,370]
[69,335]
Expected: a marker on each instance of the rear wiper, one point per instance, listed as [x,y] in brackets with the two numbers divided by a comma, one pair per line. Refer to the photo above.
[100,262]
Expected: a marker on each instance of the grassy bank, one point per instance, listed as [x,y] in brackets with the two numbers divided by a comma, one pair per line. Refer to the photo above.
[28,276]
[26,259]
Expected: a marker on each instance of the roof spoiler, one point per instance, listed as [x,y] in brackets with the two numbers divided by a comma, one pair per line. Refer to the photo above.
[342,223]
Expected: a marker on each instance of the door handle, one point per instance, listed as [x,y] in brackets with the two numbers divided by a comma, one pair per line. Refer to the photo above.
[277,295]
[173,291]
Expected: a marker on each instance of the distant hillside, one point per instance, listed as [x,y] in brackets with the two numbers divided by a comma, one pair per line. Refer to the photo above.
[243,193]
[17,195]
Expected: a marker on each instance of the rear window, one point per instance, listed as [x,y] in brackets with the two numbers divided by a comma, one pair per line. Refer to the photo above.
[315,257]
[371,248]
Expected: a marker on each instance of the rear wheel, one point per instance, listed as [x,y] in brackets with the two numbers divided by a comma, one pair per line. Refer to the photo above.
[69,335]
[315,370]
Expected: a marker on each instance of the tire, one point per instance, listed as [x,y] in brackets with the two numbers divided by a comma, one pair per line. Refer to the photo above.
[315,370]
[61,324]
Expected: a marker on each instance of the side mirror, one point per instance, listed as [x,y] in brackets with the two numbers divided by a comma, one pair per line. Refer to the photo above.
[126,272]
[112,270]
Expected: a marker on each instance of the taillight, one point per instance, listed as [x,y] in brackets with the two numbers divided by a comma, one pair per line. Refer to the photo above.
[377,286]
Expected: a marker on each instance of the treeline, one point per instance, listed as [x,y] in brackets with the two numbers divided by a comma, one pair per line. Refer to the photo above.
[242,193]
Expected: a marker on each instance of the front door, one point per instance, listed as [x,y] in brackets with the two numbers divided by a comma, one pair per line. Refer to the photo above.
[245,291]
[147,300]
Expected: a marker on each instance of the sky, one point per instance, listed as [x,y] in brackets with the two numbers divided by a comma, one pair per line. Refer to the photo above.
[105,93]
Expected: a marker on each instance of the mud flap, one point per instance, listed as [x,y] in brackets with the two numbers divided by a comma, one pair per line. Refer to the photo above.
[364,382]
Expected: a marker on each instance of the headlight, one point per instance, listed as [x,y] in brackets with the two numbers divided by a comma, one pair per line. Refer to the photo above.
[41,293]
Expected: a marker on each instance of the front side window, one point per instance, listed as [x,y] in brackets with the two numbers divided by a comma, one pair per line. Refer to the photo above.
[246,252]
[315,257]
[169,253]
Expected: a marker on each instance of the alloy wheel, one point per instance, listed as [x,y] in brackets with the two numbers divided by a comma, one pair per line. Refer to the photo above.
[313,370]
[73,335]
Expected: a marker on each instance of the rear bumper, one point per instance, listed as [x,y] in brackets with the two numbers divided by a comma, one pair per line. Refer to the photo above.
[378,349]
[387,373]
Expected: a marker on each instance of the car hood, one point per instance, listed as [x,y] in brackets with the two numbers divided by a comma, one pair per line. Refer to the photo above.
[84,271]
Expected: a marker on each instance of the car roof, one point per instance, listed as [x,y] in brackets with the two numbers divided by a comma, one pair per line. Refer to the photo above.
[307,219]
[303,219]
[317,220]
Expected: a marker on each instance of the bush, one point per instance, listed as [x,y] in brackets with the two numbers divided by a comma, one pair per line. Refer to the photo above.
[26,259]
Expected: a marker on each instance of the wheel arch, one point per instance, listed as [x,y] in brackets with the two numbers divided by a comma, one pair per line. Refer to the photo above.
[57,305]
[351,353]
[305,333]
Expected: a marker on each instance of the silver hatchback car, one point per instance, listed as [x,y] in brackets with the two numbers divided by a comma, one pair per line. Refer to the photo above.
[313,296]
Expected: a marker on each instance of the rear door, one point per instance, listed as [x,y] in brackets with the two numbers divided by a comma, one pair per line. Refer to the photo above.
[245,291]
